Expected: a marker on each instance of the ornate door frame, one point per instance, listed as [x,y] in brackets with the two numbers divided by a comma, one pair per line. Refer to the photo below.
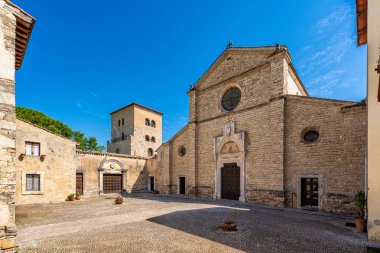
[111,166]
[229,148]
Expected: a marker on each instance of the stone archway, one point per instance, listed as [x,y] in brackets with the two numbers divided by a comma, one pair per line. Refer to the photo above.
[111,167]
[229,149]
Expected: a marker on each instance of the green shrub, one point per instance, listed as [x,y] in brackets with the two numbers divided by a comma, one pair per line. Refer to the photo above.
[70,197]
[361,202]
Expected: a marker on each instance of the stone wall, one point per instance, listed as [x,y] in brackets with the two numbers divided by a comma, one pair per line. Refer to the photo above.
[337,158]
[7,130]
[56,169]
[89,163]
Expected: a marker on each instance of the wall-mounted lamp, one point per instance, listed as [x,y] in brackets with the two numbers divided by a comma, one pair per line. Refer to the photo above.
[21,157]
[42,158]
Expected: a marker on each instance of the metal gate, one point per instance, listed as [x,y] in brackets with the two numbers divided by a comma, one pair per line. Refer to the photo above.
[230,181]
[112,183]
[79,183]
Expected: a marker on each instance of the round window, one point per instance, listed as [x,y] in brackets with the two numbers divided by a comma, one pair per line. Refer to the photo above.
[311,136]
[182,151]
[231,99]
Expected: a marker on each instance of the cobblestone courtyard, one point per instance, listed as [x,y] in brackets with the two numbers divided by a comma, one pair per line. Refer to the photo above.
[153,223]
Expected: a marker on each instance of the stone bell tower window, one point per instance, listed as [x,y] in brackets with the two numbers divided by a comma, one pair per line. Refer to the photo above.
[150,152]
[231,99]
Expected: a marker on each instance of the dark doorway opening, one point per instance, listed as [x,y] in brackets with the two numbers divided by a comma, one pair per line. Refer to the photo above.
[182,185]
[231,181]
[151,183]
[309,192]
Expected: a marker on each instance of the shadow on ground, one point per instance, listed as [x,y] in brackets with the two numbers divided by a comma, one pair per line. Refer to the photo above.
[263,229]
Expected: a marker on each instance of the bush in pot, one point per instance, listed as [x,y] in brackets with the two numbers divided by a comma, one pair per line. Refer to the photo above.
[361,202]
[70,197]
[119,200]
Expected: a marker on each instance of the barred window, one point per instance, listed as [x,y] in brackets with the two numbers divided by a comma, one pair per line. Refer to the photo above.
[33,182]
[32,149]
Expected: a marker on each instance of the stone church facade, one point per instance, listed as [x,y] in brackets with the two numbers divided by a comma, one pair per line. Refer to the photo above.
[255,135]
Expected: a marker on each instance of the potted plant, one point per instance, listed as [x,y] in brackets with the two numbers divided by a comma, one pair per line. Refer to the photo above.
[227,225]
[119,200]
[361,202]
[77,196]
[70,197]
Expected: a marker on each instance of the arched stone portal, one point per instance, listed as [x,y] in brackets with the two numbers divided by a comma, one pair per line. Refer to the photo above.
[229,149]
[108,169]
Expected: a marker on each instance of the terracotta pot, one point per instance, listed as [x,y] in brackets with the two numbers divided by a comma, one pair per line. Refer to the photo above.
[227,226]
[360,225]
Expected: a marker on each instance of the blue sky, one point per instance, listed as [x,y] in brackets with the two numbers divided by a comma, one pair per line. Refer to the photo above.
[88,58]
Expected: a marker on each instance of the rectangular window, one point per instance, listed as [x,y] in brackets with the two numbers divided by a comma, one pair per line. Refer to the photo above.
[32,182]
[32,149]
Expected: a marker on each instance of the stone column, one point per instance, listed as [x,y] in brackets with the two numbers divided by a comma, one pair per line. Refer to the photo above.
[7,130]
[101,172]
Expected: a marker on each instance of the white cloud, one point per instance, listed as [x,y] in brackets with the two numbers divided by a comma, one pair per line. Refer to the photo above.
[322,61]
[93,94]
[339,15]
[324,84]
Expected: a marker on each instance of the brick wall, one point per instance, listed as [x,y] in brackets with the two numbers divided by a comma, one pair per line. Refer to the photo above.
[338,156]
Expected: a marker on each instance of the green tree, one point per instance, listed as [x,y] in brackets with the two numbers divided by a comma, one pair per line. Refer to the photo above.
[92,144]
[55,126]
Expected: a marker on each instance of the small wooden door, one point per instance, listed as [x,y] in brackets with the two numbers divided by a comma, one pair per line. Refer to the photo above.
[309,192]
[182,185]
[151,183]
[79,183]
[112,183]
[230,181]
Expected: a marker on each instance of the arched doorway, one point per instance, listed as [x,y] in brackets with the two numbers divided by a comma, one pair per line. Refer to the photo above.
[230,164]
[112,176]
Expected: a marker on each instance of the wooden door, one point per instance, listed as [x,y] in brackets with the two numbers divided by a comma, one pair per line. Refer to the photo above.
[182,185]
[309,192]
[112,183]
[231,181]
[79,183]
